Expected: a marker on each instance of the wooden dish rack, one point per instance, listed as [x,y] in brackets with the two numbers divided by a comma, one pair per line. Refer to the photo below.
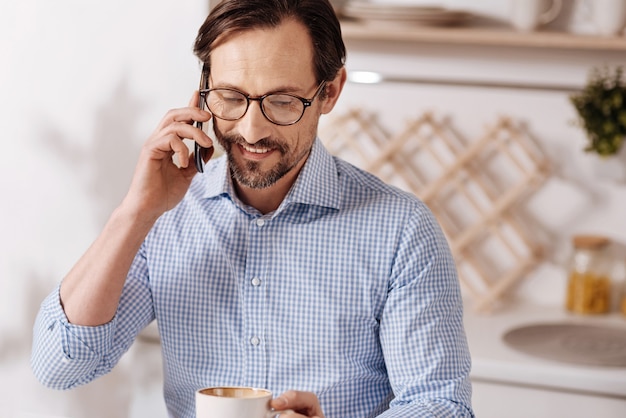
[474,189]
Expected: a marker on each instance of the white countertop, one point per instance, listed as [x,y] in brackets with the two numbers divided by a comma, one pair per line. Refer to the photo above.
[493,360]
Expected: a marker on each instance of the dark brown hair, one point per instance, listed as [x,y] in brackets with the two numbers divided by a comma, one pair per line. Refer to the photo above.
[318,16]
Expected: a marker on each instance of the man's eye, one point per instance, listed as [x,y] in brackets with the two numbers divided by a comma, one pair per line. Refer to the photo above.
[233,99]
[281,101]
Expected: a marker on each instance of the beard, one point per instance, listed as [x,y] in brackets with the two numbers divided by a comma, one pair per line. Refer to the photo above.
[249,173]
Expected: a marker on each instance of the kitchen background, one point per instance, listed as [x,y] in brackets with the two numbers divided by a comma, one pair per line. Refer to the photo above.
[84,83]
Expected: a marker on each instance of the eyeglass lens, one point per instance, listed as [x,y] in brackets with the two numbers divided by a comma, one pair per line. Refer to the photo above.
[229,104]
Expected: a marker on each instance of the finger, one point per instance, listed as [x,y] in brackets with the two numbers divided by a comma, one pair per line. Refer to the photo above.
[186,115]
[291,414]
[195,99]
[181,152]
[185,131]
[302,402]
[169,142]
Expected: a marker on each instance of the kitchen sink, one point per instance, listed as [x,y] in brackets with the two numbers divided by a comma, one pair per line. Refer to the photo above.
[581,344]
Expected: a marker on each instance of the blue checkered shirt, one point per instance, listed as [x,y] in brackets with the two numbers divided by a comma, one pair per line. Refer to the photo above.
[348,290]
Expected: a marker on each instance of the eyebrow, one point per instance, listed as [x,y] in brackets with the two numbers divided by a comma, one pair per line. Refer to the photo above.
[282,89]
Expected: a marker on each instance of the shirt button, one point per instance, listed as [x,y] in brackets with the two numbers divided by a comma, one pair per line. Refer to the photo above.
[255,341]
[260,222]
[256,281]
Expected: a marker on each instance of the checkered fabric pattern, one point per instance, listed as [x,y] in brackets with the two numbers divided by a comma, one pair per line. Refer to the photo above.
[348,290]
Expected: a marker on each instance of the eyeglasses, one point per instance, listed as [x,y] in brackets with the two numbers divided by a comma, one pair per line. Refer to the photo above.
[229,104]
[279,108]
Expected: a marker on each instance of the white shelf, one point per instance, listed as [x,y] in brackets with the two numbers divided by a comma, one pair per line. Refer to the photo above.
[478,36]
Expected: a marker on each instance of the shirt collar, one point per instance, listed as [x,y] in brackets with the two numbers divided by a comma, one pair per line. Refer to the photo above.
[317,184]
[216,178]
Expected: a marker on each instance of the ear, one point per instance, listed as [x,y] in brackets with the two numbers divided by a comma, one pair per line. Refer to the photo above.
[333,90]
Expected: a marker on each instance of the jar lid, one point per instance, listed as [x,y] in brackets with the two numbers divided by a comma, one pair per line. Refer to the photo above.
[590,241]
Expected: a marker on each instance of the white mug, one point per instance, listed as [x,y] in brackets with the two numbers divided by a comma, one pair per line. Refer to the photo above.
[234,402]
[608,16]
[526,15]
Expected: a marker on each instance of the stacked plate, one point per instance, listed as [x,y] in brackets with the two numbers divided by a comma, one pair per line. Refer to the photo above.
[402,13]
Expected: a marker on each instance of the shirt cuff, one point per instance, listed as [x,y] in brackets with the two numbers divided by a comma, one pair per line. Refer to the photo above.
[78,341]
[66,355]
[428,410]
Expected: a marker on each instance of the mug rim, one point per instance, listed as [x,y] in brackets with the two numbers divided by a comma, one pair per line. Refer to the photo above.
[257,392]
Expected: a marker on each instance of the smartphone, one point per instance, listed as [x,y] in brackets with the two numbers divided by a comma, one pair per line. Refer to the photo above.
[201,153]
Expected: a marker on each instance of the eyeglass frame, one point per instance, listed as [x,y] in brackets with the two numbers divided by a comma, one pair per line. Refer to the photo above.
[199,151]
[306,103]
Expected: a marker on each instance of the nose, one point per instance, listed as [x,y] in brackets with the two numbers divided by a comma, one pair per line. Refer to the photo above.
[253,126]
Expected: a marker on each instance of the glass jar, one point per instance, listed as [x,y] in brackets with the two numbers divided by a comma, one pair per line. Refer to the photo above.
[589,286]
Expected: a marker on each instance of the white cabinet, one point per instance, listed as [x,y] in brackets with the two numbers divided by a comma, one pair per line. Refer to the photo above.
[498,400]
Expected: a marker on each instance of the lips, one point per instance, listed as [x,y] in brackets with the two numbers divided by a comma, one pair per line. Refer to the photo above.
[255,150]
[255,153]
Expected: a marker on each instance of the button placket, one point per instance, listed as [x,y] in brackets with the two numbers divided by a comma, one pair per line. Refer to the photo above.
[257,255]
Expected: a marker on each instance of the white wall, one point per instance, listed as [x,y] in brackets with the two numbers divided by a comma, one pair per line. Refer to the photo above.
[575,199]
[83,83]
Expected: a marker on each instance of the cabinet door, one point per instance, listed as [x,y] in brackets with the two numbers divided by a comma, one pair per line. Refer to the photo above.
[497,400]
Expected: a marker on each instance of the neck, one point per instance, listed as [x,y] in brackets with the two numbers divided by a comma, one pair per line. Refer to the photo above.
[264,200]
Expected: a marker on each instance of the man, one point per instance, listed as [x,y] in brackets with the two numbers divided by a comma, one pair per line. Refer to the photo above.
[279,266]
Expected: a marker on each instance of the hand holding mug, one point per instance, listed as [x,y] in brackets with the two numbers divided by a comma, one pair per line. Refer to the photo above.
[304,404]
[237,402]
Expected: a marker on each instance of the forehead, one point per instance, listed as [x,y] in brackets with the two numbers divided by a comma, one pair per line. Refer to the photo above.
[260,60]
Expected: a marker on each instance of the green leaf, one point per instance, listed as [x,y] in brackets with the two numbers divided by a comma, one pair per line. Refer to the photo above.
[601,108]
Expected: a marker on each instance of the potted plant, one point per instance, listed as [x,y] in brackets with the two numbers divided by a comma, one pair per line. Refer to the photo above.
[601,108]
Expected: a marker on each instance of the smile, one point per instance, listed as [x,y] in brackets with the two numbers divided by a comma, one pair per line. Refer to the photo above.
[256,150]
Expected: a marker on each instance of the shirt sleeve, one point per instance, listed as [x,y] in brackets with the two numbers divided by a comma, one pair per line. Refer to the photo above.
[65,355]
[421,331]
